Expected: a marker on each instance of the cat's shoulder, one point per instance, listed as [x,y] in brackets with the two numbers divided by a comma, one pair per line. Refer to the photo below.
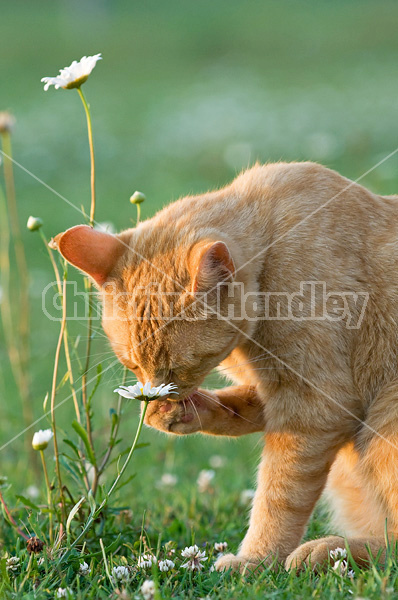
[284,174]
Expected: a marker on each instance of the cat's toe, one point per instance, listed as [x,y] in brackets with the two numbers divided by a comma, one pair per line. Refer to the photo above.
[314,554]
[241,564]
[171,417]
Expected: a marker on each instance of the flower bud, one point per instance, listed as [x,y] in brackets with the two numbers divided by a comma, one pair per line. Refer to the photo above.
[137,198]
[34,223]
[7,121]
[41,439]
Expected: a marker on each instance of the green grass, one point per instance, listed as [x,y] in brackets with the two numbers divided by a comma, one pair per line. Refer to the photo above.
[188,94]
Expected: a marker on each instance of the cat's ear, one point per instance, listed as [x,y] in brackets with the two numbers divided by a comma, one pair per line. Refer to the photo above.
[210,264]
[93,252]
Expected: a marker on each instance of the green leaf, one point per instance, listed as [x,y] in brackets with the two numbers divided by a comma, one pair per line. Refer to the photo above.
[27,502]
[92,502]
[97,382]
[82,433]
[3,570]
[73,446]
[72,514]
[119,487]
[45,402]
[63,381]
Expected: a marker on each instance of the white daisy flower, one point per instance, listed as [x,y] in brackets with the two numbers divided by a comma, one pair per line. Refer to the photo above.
[195,558]
[74,75]
[145,561]
[120,573]
[84,569]
[204,479]
[166,565]
[148,589]
[168,480]
[220,546]
[13,563]
[41,438]
[141,391]
[246,497]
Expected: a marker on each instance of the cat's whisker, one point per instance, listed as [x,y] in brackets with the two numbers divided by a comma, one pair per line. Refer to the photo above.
[197,413]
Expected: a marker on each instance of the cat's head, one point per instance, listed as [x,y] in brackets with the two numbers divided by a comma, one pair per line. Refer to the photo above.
[161,299]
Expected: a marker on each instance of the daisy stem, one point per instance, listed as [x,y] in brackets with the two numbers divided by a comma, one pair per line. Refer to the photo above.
[53,394]
[94,515]
[112,439]
[138,206]
[89,320]
[49,498]
[92,160]
[131,452]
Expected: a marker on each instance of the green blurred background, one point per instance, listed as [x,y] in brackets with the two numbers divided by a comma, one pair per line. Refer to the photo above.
[188,93]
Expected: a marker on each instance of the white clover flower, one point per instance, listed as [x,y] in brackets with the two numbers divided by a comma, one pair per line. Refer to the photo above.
[148,589]
[338,554]
[220,546]
[145,561]
[13,563]
[84,569]
[64,593]
[168,480]
[204,479]
[340,565]
[41,438]
[74,75]
[139,391]
[246,497]
[166,565]
[216,461]
[120,573]
[195,558]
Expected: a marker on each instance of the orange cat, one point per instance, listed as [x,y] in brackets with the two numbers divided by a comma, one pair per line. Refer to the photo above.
[288,279]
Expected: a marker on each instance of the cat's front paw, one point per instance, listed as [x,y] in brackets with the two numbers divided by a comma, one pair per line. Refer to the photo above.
[187,416]
[241,564]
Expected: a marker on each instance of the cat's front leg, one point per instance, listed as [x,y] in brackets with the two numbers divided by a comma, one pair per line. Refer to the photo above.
[232,411]
[291,477]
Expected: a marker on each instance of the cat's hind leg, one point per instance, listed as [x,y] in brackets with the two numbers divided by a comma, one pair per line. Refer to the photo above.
[316,554]
[363,488]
